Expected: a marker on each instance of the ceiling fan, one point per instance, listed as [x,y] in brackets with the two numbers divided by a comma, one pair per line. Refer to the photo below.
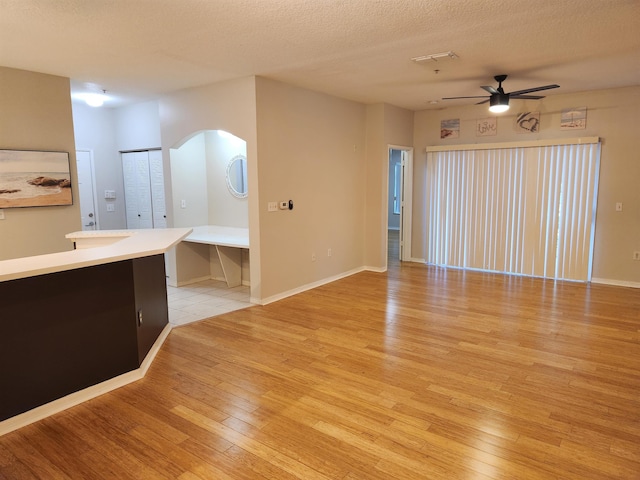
[499,99]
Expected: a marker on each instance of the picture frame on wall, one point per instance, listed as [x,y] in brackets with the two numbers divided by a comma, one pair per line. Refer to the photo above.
[573,118]
[527,122]
[486,126]
[450,128]
[30,178]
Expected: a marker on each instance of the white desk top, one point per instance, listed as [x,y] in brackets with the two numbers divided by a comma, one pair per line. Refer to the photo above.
[218,235]
[134,244]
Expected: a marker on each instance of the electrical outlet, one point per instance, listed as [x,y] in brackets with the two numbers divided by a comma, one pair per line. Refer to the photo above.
[183,204]
[328,252]
[636,255]
[1,214]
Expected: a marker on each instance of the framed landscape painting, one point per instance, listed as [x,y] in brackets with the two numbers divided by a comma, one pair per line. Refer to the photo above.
[34,179]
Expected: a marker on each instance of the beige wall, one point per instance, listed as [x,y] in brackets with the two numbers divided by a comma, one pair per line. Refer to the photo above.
[386,125]
[311,150]
[36,115]
[611,115]
[229,106]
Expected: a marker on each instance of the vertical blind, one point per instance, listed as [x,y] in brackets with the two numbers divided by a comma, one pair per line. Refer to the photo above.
[526,209]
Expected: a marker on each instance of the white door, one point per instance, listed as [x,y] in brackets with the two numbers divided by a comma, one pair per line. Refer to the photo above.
[144,189]
[407,207]
[130,189]
[86,189]
[145,212]
[156,177]
[405,189]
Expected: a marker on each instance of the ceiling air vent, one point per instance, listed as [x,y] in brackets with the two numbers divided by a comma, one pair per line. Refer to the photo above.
[435,57]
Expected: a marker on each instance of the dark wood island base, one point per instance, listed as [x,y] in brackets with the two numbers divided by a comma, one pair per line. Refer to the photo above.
[65,331]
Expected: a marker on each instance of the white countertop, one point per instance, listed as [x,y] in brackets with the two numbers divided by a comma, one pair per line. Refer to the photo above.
[219,235]
[133,244]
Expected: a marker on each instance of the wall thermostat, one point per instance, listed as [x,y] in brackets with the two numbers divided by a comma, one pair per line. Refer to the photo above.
[284,205]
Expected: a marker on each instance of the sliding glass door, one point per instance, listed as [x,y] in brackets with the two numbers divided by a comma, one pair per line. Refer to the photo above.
[525,209]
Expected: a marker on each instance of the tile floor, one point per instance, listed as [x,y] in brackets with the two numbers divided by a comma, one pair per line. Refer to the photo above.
[205,299]
[209,298]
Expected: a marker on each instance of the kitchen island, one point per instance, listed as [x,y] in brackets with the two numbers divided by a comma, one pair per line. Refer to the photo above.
[78,323]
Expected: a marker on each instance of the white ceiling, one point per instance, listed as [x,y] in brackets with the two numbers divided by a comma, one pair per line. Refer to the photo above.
[356,49]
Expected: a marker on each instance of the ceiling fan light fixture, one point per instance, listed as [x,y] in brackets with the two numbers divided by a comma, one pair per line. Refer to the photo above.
[499,102]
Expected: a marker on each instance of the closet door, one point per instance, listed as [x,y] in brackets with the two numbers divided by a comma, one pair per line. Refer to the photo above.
[156,177]
[137,189]
[144,189]
[130,189]
[145,210]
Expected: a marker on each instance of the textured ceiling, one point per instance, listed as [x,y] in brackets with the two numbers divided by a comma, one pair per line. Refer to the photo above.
[356,49]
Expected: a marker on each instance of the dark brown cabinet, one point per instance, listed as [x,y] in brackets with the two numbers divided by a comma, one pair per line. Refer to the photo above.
[65,331]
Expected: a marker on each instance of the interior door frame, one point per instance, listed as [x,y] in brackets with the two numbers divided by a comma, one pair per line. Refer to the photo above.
[406,205]
[93,184]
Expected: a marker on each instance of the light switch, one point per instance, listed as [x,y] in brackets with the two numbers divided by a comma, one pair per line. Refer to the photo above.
[1,214]
[272,206]
[618,206]
[111,207]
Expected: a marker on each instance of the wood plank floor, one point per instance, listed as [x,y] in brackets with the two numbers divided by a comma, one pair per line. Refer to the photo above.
[419,373]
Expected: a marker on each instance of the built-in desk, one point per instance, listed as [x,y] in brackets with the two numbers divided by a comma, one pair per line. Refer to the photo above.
[194,260]
[78,323]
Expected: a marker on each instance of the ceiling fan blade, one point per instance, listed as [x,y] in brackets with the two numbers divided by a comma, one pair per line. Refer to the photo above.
[491,90]
[483,101]
[527,97]
[536,89]
[456,98]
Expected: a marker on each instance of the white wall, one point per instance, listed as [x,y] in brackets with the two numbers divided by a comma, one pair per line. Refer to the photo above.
[95,130]
[138,126]
[189,180]
[224,208]
[106,132]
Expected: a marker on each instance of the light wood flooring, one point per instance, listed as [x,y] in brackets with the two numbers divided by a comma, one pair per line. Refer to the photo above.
[418,373]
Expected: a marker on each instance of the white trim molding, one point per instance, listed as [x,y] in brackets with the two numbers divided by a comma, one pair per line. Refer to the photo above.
[616,283]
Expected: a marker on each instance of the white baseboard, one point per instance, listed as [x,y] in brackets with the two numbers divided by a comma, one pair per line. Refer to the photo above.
[308,286]
[375,269]
[617,283]
[88,393]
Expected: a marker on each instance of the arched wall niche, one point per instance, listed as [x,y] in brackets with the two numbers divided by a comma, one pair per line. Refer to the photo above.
[200,191]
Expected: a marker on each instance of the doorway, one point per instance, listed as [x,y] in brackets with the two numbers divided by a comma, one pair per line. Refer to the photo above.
[399,192]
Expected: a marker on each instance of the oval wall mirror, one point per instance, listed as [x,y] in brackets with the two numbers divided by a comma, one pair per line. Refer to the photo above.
[237,176]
